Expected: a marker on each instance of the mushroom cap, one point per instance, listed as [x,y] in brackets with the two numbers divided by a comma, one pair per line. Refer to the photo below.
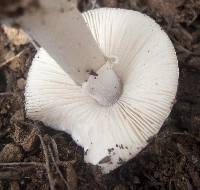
[147,67]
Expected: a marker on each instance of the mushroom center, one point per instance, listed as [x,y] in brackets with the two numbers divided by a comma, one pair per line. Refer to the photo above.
[104,86]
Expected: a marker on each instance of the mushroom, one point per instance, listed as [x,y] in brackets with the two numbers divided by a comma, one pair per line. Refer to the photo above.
[123,103]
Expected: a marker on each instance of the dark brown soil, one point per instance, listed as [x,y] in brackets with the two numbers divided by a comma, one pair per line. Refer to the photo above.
[172,159]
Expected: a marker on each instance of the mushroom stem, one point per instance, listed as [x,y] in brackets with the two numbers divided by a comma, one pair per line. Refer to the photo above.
[60,28]
[104,86]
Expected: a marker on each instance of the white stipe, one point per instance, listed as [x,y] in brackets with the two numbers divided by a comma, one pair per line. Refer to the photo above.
[60,28]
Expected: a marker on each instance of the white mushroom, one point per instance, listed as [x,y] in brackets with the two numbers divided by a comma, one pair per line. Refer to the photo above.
[114,113]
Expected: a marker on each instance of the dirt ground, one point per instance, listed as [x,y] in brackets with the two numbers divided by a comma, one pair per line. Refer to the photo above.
[171,160]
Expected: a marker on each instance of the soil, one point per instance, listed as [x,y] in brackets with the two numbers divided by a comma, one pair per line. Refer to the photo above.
[170,161]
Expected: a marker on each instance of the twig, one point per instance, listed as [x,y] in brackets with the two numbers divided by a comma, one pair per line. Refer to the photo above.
[6,94]
[62,163]
[183,49]
[55,158]
[10,175]
[47,162]
[12,58]
[187,134]
[57,169]
[50,177]
[39,164]
[55,150]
